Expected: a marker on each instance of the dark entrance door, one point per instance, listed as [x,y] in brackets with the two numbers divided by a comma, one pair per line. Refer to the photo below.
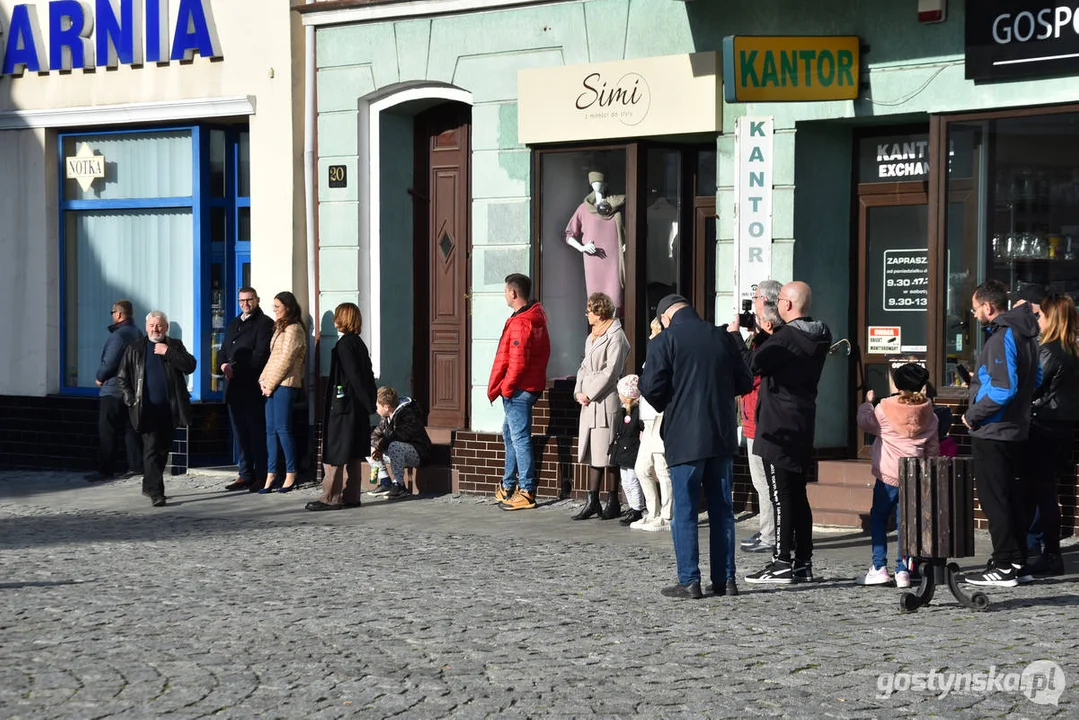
[442,255]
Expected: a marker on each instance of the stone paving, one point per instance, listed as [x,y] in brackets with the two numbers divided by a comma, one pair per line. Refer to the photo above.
[240,606]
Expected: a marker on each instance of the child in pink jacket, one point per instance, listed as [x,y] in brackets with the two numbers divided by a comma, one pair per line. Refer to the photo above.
[905,426]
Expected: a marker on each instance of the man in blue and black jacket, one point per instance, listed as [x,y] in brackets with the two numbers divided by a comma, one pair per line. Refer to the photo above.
[1001,390]
[112,414]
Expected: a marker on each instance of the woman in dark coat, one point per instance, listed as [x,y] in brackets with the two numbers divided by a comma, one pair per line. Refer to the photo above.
[1054,413]
[346,414]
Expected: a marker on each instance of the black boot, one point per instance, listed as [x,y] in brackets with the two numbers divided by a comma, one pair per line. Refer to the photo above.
[614,508]
[591,507]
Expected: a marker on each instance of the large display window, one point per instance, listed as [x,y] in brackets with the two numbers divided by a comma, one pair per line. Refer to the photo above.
[635,221]
[1012,214]
[156,217]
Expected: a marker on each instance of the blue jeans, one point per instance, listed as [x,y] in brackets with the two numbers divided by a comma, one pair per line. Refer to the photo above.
[279,428]
[714,474]
[885,503]
[517,435]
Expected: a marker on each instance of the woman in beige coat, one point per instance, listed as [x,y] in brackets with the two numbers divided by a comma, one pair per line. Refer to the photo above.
[281,383]
[605,353]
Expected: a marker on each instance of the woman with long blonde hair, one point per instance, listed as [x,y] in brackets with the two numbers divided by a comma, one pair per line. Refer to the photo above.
[1054,413]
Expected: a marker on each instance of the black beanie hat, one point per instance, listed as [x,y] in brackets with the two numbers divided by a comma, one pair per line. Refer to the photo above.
[911,377]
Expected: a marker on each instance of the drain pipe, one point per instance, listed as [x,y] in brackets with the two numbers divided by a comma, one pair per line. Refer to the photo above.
[309,176]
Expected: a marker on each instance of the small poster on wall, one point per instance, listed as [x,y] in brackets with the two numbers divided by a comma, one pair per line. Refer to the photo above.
[906,280]
[883,340]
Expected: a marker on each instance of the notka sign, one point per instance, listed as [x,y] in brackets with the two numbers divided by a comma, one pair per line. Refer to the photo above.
[104,33]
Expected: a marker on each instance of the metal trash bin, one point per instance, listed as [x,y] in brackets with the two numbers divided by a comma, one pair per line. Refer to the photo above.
[936,499]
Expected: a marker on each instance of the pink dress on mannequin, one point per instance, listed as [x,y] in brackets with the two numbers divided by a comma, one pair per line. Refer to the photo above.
[604,274]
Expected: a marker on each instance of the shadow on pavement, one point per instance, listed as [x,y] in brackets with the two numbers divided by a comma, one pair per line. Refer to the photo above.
[1011,603]
[38,583]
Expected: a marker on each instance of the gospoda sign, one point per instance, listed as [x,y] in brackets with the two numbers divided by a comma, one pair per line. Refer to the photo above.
[1021,38]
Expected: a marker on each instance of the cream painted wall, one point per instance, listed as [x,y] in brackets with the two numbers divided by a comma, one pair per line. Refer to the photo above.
[262,59]
[29,272]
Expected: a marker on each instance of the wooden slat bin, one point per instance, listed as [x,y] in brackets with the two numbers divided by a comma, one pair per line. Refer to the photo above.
[936,499]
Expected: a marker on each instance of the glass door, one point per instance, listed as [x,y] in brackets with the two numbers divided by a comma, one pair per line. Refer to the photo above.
[894,287]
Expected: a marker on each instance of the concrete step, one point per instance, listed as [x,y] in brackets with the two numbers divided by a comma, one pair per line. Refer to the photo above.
[834,517]
[841,497]
[436,479]
[856,473]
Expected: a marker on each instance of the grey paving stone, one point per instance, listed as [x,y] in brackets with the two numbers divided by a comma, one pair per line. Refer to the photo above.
[239,606]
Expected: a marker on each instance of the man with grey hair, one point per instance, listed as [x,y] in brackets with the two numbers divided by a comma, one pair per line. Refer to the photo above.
[152,381]
[767,318]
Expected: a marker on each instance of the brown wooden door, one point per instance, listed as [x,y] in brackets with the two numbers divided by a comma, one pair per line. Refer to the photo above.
[442,254]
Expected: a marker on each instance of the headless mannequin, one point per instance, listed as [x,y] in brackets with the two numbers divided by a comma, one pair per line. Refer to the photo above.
[596,231]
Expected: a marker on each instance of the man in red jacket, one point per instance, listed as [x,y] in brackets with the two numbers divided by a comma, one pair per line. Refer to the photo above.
[519,376]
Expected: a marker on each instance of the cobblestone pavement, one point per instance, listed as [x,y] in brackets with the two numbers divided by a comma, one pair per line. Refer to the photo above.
[238,605]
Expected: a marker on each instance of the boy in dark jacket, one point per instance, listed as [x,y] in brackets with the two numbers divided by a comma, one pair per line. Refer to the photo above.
[400,441]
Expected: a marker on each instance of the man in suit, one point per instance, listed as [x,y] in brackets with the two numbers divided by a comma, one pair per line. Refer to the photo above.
[152,381]
[243,355]
[112,415]
[692,374]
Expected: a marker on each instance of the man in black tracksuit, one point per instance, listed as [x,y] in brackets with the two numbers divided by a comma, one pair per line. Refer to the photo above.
[790,363]
[244,353]
[1001,391]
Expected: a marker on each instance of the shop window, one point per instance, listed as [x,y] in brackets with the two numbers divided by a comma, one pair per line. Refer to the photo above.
[140,255]
[149,216]
[664,198]
[1012,215]
[663,219]
[568,206]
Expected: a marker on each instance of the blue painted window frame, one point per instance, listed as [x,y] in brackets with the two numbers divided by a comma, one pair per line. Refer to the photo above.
[200,203]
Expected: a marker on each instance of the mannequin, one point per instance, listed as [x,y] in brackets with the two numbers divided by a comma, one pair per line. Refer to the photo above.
[597,232]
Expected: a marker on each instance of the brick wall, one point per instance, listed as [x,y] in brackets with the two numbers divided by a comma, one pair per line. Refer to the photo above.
[60,433]
[479,458]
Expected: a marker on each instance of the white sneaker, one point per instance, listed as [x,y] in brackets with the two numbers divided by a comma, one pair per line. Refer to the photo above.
[902,579]
[656,525]
[877,576]
[639,524]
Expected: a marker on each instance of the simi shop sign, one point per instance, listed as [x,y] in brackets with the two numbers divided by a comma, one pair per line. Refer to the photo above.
[105,33]
[790,68]
[668,95]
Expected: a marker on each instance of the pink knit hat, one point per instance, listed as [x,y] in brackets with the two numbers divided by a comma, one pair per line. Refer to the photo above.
[627,387]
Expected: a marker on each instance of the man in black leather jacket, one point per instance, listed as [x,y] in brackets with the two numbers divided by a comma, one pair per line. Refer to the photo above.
[152,380]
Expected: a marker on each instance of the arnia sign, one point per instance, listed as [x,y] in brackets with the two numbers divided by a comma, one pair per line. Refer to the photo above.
[1021,38]
[68,34]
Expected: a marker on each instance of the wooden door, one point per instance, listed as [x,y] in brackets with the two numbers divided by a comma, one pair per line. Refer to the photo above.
[443,240]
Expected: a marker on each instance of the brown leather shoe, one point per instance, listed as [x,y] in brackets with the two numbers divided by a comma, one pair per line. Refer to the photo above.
[238,484]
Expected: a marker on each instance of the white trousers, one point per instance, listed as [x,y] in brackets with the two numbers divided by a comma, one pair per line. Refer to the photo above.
[631,486]
[764,496]
[652,473]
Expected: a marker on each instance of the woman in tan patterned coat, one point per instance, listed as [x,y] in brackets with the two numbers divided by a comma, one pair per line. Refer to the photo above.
[605,353]
[282,382]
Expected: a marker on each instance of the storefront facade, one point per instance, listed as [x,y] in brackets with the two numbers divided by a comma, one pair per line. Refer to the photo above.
[150,153]
[887,201]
